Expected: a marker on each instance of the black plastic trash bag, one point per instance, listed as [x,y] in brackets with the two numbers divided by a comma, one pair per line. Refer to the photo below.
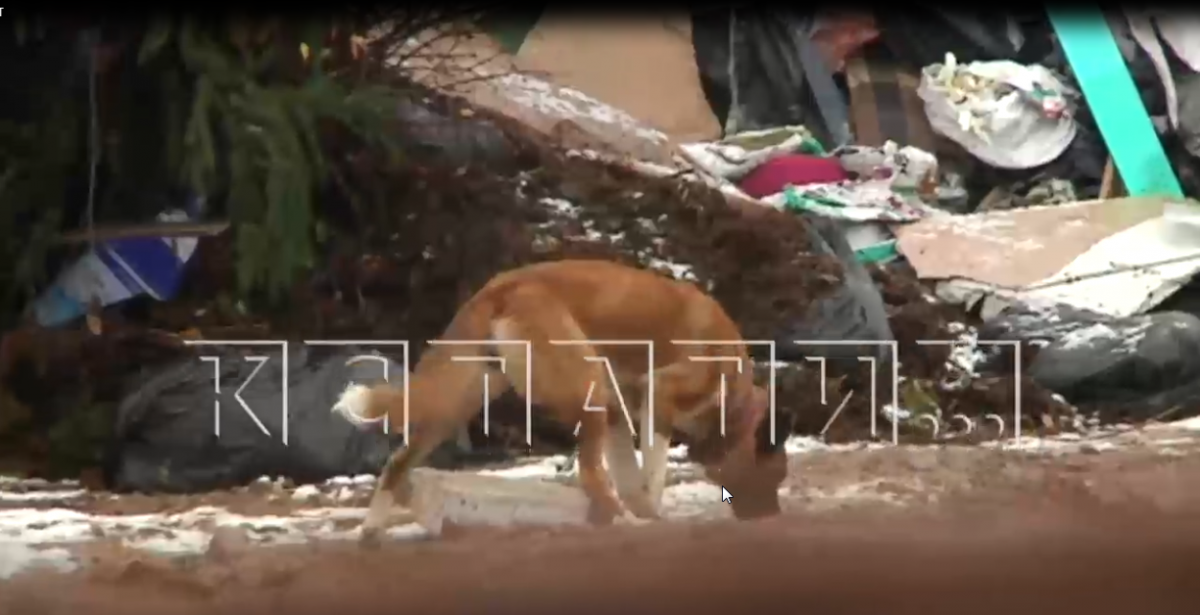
[855,312]
[1135,367]
[759,69]
[167,439]
[920,36]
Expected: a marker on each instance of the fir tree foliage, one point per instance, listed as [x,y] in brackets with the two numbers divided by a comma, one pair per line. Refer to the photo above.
[244,106]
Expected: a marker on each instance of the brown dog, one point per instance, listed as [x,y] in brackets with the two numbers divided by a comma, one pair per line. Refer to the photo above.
[570,312]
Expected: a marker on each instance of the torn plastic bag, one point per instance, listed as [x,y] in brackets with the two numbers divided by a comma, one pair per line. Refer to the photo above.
[736,156]
[167,438]
[1142,364]
[855,312]
[760,69]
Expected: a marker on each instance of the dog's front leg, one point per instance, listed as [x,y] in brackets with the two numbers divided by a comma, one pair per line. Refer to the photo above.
[655,452]
[629,478]
[593,478]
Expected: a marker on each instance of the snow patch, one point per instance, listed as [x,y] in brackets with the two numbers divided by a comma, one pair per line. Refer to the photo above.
[567,103]
[39,496]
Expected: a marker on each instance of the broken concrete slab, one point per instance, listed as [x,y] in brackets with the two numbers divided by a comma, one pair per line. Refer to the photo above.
[1118,257]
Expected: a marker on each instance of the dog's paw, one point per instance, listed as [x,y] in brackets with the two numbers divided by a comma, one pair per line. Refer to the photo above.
[642,508]
[370,538]
[630,519]
[604,513]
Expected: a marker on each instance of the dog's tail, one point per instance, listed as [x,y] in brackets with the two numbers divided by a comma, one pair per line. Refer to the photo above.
[445,387]
[367,405]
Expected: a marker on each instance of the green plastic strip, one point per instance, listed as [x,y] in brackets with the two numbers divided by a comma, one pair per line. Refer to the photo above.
[879,253]
[1114,101]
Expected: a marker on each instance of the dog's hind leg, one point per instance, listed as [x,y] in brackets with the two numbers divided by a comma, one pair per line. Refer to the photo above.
[567,378]
[449,393]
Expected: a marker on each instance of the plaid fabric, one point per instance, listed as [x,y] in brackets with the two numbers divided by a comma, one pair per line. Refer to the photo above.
[884,103]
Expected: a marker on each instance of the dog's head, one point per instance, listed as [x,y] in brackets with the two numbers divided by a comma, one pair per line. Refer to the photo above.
[745,461]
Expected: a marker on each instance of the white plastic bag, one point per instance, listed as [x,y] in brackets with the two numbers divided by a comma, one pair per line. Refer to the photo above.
[1006,114]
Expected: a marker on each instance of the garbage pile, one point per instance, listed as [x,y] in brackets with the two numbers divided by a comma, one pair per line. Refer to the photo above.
[937,241]
[1028,167]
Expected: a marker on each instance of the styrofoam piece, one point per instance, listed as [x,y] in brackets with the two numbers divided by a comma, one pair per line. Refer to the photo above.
[480,500]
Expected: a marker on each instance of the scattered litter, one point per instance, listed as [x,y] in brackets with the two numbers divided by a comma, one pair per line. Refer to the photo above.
[965,353]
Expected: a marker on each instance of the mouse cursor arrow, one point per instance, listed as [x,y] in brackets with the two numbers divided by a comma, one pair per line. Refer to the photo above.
[725,495]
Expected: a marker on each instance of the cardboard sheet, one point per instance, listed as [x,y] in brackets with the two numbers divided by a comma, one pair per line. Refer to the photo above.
[1117,257]
[643,65]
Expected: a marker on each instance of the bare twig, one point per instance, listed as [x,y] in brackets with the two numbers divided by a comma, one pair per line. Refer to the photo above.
[431,47]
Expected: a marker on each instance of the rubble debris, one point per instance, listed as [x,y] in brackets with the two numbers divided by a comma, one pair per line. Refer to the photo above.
[1046,192]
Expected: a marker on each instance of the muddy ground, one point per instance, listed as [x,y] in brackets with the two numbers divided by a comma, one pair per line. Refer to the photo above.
[1102,523]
